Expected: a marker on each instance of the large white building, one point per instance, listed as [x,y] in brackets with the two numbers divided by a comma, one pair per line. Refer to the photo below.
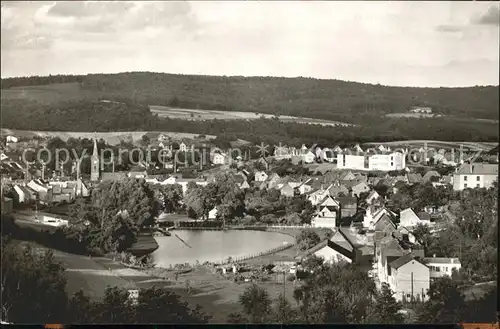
[383,162]
[441,266]
[475,175]
[387,162]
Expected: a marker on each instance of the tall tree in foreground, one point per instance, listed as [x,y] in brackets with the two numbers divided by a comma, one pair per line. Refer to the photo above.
[284,312]
[385,309]
[33,285]
[339,293]
[446,303]
[256,303]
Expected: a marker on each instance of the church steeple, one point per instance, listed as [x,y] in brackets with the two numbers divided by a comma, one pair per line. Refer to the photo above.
[94,173]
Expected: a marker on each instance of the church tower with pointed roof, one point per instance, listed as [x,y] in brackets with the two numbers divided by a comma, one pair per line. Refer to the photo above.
[94,169]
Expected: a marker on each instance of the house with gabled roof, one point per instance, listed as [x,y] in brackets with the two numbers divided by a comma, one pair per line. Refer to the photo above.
[329,252]
[273,180]
[287,190]
[325,218]
[317,196]
[330,203]
[373,181]
[409,278]
[304,187]
[348,175]
[409,219]
[261,176]
[373,214]
[360,187]
[414,178]
[338,189]
[372,197]
[384,224]
[20,195]
[337,149]
[430,176]
[348,206]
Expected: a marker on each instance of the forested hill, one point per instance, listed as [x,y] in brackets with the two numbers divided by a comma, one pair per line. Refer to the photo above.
[307,97]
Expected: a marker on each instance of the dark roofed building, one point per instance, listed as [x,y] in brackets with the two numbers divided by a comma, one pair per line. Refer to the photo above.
[348,206]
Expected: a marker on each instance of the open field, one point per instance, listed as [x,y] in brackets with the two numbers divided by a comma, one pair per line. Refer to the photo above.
[474,146]
[112,138]
[47,94]
[191,114]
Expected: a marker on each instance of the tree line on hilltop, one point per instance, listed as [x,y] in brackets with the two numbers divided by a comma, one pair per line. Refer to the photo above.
[87,115]
[308,97]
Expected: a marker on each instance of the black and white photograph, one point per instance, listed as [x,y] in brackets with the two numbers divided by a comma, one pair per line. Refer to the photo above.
[249,162]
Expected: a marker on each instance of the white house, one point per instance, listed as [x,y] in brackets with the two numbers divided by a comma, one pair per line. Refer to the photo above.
[304,187]
[329,202]
[260,176]
[308,157]
[212,214]
[218,158]
[183,147]
[372,215]
[475,175]
[36,186]
[442,266]
[409,219]
[12,139]
[330,252]
[317,196]
[325,218]
[327,155]
[408,277]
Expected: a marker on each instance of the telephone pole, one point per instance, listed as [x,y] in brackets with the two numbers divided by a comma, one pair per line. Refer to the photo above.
[412,286]
[284,283]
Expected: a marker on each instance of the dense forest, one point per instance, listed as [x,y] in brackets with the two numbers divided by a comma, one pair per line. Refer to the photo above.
[86,115]
[307,97]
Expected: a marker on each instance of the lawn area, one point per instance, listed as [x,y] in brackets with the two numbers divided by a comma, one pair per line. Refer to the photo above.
[145,244]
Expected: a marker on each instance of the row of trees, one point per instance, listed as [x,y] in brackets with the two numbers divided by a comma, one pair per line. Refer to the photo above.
[114,214]
[471,235]
[308,97]
[419,195]
[266,206]
[86,115]
[343,294]
[33,291]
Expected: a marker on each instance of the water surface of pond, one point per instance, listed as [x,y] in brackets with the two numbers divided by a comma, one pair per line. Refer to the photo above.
[214,246]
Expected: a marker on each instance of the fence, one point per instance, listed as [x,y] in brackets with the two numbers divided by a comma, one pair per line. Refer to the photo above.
[242,227]
[247,257]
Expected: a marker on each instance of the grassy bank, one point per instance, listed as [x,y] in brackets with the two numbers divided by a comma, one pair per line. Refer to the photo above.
[144,245]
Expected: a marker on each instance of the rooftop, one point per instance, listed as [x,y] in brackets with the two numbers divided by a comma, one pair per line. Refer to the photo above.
[442,260]
[402,261]
[478,169]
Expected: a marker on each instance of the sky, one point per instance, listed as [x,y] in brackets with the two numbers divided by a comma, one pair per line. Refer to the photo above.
[401,43]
